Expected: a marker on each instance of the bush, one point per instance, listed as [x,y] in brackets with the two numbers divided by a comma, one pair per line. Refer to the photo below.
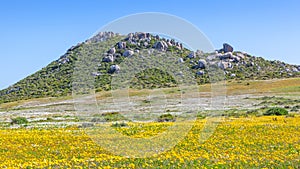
[278,111]
[123,124]
[19,120]
[166,118]
[113,116]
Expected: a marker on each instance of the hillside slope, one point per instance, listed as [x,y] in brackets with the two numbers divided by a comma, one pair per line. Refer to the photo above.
[56,79]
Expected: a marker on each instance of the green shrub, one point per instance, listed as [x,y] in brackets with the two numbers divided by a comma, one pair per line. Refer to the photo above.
[201,116]
[278,111]
[122,124]
[166,118]
[112,116]
[19,120]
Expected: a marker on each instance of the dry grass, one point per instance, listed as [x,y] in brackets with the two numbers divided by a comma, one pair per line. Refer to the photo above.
[263,86]
[277,86]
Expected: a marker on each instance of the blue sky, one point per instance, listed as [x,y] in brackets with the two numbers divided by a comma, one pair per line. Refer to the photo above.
[33,33]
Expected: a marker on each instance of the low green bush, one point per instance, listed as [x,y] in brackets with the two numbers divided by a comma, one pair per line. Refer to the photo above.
[278,111]
[166,118]
[122,124]
[19,120]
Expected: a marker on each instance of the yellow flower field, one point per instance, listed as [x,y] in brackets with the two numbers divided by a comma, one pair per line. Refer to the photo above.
[249,142]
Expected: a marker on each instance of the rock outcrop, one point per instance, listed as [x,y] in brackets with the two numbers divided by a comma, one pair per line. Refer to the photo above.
[101,36]
[161,45]
[226,48]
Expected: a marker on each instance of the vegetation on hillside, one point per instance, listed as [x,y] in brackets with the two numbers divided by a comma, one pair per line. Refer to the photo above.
[57,78]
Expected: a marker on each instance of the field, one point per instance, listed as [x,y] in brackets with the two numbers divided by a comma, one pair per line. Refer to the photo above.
[252,142]
[47,133]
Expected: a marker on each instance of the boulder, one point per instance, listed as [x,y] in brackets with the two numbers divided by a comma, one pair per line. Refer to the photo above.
[212,63]
[202,64]
[227,55]
[180,60]
[116,55]
[172,41]
[128,53]
[199,52]
[114,69]
[161,45]
[200,73]
[64,59]
[258,68]
[221,65]
[227,48]
[141,35]
[211,57]
[74,47]
[100,37]
[236,58]
[240,55]
[169,43]
[224,65]
[148,35]
[192,55]
[129,36]
[121,45]
[181,46]
[112,50]
[294,69]
[108,58]
[146,44]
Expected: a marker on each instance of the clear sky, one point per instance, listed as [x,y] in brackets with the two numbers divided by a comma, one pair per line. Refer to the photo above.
[33,32]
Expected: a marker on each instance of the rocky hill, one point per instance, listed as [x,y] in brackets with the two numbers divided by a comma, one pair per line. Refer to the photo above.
[56,79]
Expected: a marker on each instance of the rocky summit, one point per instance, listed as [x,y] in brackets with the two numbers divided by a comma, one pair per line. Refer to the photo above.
[56,78]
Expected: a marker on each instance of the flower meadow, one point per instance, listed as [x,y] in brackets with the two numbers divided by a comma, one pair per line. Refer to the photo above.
[247,142]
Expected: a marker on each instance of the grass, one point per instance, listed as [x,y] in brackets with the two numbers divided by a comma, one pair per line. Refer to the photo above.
[264,86]
[289,86]
[232,87]
[12,105]
[288,89]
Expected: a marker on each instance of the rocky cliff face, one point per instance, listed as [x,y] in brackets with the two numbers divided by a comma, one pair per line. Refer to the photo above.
[56,78]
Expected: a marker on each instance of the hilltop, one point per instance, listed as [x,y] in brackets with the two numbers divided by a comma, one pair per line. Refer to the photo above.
[55,79]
